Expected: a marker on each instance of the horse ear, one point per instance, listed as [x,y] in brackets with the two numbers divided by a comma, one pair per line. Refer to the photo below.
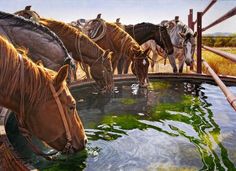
[195,34]
[61,75]
[181,34]
[99,16]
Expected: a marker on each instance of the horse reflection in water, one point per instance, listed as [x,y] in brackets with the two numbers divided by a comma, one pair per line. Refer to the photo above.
[40,97]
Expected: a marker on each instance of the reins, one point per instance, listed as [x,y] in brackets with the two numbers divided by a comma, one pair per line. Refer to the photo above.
[25,132]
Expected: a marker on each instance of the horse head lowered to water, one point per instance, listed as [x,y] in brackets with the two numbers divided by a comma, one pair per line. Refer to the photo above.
[40,97]
[86,51]
[144,32]
[83,50]
[110,36]
[183,40]
[41,43]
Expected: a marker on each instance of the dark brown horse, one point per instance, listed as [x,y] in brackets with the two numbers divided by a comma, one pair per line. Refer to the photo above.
[110,36]
[143,32]
[41,43]
[40,97]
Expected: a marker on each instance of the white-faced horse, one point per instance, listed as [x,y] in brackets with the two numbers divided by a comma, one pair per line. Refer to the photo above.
[183,40]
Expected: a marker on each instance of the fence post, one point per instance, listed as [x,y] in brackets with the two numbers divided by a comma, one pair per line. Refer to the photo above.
[190,19]
[191,25]
[199,42]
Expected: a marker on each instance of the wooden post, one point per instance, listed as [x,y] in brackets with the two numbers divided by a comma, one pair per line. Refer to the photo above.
[199,42]
[191,25]
[190,19]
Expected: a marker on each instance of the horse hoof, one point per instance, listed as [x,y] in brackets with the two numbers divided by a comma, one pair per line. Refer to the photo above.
[175,70]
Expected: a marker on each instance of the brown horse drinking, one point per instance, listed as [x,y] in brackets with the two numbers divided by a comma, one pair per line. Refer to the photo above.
[110,36]
[86,51]
[40,97]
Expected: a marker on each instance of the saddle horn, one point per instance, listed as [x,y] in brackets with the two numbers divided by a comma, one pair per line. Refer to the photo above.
[99,16]
[28,7]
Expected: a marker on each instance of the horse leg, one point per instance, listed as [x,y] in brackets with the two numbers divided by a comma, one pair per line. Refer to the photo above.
[172,62]
[120,65]
[115,61]
[126,66]
[181,63]
[154,59]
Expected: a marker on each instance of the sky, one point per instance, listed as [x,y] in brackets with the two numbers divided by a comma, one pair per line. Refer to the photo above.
[129,11]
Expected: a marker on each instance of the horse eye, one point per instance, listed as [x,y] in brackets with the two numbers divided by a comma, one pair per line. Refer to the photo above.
[72,108]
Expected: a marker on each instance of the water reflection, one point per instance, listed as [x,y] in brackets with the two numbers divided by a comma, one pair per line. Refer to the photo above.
[171,125]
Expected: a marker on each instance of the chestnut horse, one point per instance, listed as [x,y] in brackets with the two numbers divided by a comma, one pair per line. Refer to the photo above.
[41,43]
[86,51]
[44,105]
[110,36]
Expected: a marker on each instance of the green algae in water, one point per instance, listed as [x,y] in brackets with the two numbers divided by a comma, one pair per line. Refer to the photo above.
[71,163]
[186,117]
[128,101]
[124,121]
[157,85]
[188,104]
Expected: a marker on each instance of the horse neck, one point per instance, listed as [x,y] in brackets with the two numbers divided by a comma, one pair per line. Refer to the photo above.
[140,32]
[174,36]
[83,49]
[10,82]
[87,50]
[123,42]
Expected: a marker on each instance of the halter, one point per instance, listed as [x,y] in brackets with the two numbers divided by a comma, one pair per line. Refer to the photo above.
[68,147]
[78,51]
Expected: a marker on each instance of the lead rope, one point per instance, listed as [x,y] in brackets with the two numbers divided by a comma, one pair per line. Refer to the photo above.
[103,33]
[78,51]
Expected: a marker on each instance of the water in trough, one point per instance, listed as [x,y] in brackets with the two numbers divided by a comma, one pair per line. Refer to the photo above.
[173,125]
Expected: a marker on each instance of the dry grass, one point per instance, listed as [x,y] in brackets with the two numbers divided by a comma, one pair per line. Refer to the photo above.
[219,64]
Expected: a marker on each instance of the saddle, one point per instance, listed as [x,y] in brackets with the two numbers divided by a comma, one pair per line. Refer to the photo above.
[95,29]
[29,14]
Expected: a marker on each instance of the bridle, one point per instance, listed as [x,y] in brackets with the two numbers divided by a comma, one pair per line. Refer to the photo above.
[78,51]
[68,147]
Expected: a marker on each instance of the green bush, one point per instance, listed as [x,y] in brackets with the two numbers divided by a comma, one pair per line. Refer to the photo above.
[220,41]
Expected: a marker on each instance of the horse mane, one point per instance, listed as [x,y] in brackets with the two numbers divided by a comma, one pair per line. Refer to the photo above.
[35,80]
[65,29]
[130,43]
[30,25]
